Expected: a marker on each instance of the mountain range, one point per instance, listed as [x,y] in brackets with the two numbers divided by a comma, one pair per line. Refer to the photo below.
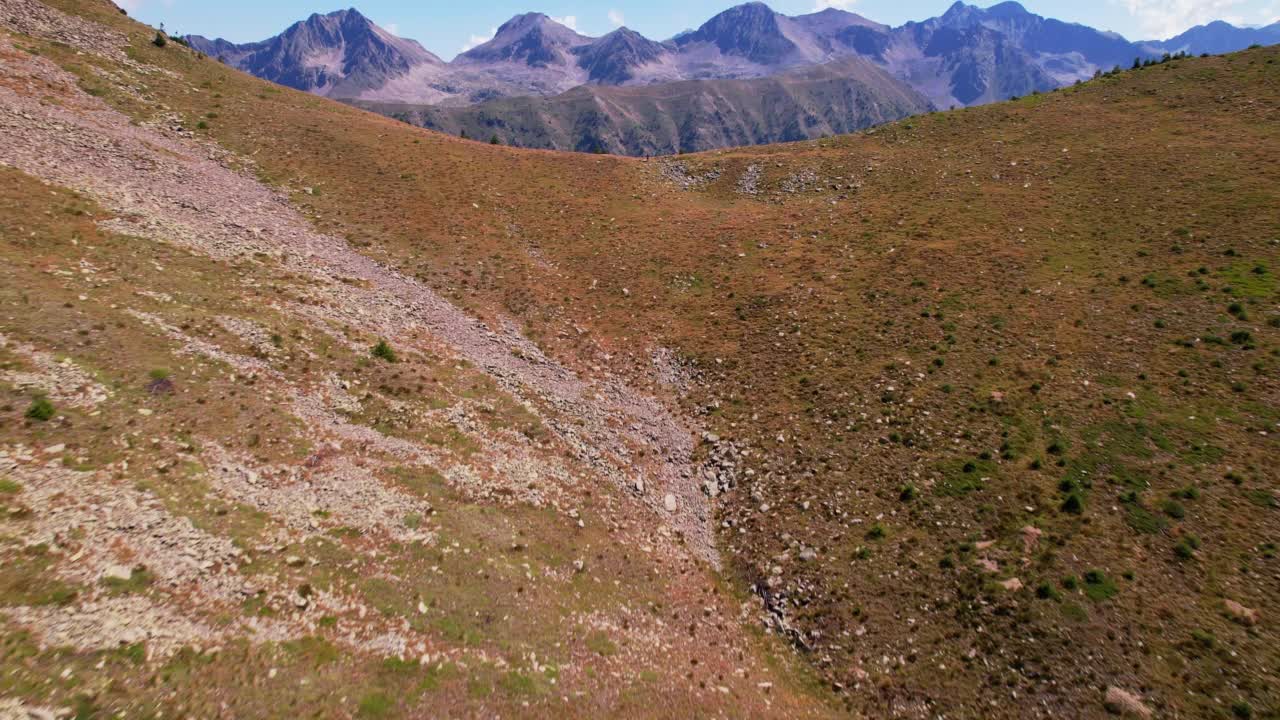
[964,57]
[1217,38]
[687,116]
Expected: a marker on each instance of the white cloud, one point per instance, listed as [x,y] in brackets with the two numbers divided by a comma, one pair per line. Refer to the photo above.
[569,21]
[1166,18]
[820,5]
[616,18]
[133,6]
[392,28]
[475,40]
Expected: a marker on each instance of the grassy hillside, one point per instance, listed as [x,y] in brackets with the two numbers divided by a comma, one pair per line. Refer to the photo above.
[1003,383]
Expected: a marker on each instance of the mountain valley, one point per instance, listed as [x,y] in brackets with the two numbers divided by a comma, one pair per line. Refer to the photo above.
[307,411]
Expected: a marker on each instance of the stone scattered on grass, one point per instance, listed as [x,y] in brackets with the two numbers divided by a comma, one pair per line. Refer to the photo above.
[1123,702]
[121,573]
[1240,613]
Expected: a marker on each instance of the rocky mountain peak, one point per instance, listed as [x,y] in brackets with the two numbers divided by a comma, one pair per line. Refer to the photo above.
[750,31]
[961,15]
[533,39]
[522,23]
[612,59]
[1009,9]
[338,54]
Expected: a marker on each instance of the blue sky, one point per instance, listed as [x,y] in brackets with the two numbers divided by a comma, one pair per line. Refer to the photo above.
[447,26]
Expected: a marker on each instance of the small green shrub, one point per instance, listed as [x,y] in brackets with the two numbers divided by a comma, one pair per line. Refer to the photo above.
[1204,638]
[1186,547]
[383,351]
[1262,498]
[41,410]
[1073,504]
[1144,521]
[1099,587]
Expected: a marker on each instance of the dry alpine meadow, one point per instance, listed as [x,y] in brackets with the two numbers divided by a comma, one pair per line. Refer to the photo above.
[307,412]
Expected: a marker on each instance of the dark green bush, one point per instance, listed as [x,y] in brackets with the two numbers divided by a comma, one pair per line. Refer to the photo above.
[384,351]
[41,410]
[1073,504]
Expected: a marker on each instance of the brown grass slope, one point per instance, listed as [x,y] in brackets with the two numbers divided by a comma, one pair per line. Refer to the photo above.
[223,495]
[1035,341]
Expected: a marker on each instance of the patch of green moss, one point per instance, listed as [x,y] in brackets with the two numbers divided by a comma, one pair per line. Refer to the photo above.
[963,476]
[1099,587]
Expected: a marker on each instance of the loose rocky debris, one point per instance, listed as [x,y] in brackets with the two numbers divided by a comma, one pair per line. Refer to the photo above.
[749,183]
[11,709]
[28,17]
[673,371]
[775,609]
[1030,538]
[310,501]
[509,471]
[1012,584]
[1125,703]
[725,460]
[112,623]
[678,173]
[181,196]
[258,338]
[61,380]
[1240,613]
[799,182]
[106,531]
[90,512]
